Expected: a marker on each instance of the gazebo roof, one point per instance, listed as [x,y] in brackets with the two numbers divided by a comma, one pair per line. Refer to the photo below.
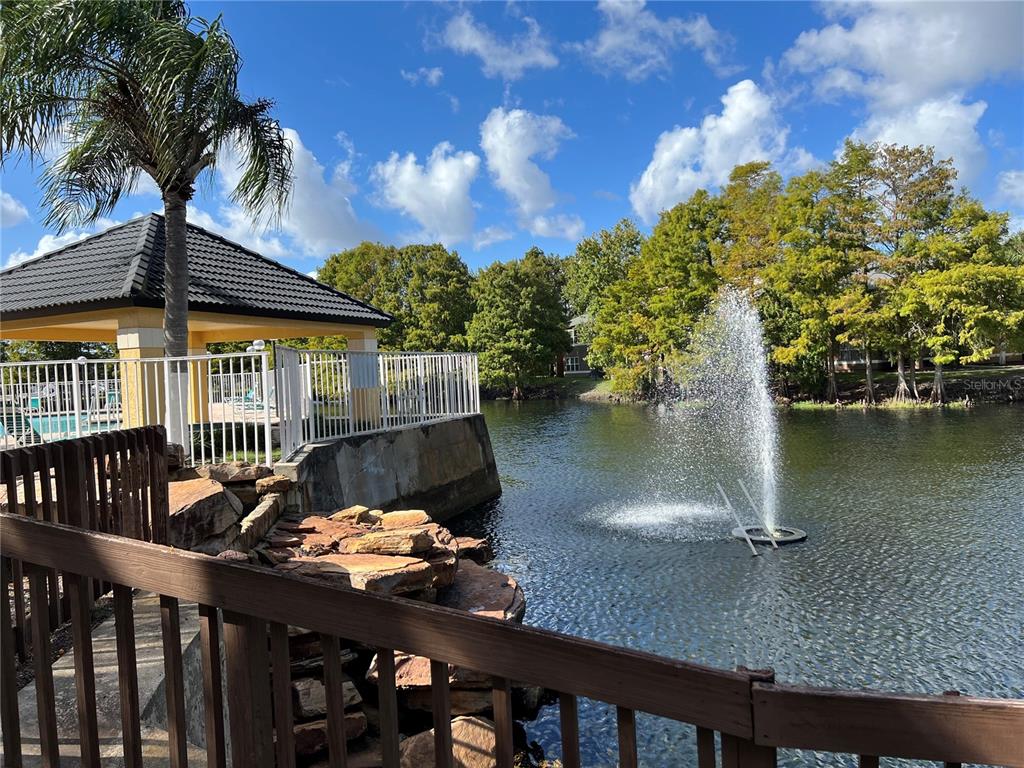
[124,267]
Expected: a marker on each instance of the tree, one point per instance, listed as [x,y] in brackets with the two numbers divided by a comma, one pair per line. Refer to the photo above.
[425,287]
[814,270]
[599,261]
[128,88]
[970,311]
[519,327]
[749,201]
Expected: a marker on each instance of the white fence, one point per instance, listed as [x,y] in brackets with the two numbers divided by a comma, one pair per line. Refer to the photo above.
[235,406]
[334,394]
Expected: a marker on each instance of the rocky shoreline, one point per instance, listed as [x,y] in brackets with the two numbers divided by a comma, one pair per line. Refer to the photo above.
[237,511]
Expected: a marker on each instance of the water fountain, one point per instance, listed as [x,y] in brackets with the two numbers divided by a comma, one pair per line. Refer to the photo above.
[726,372]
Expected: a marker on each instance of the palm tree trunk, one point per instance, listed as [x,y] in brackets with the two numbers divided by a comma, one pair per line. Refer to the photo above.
[175,277]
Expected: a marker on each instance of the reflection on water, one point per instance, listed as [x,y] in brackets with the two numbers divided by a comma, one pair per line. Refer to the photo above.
[911,578]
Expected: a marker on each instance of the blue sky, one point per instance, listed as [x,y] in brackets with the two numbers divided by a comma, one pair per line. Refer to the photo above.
[496,126]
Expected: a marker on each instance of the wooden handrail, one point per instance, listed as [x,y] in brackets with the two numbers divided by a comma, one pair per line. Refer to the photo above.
[679,690]
[754,716]
[961,729]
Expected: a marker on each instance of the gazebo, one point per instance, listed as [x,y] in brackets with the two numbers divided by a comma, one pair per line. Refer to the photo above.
[110,288]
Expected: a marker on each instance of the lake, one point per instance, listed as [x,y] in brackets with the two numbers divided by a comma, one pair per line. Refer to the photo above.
[911,579]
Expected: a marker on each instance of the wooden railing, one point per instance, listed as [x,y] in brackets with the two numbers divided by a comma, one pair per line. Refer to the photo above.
[114,482]
[255,606]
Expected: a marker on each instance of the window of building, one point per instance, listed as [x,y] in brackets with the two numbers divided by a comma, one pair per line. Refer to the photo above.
[572,363]
[572,335]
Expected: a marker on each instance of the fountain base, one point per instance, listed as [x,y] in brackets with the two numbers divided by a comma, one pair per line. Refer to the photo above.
[783,534]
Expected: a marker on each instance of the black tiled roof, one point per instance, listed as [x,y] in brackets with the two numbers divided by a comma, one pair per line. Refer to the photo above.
[124,266]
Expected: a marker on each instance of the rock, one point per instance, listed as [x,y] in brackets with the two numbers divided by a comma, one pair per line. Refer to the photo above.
[485,592]
[273,484]
[404,541]
[200,509]
[254,526]
[234,472]
[473,745]
[246,493]
[414,672]
[468,701]
[404,519]
[444,567]
[233,555]
[311,738]
[356,514]
[175,457]
[477,550]
[310,697]
[383,574]
[313,534]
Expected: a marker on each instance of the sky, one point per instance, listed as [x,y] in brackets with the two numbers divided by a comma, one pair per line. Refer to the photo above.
[493,127]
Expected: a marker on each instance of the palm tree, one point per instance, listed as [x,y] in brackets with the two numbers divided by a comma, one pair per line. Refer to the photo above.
[121,88]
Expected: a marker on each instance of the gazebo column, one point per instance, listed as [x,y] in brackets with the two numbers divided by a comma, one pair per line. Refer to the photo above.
[365,376]
[142,384]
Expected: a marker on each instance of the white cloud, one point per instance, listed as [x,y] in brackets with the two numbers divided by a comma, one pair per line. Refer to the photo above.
[319,218]
[912,63]
[508,59]
[899,54]
[511,139]
[12,212]
[431,76]
[1011,187]
[491,235]
[688,158]
[50,242]
[234,224]
[636,43]
[435,193]
[948,124]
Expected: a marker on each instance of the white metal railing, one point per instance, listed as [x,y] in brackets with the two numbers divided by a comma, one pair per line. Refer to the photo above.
[235,406]
[218,407]
[327,394]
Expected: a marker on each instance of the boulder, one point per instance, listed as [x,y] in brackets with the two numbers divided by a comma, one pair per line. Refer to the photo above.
[404,519]
[311,737]
[403,541]
[477,550]
[313,534]
[254,526]
[485,592]
[310,697]
[383,574]
[273,484]
[234,472]
[473,745]
[414,672]
[200,509]
[356,514]
[465,701]
[175,457]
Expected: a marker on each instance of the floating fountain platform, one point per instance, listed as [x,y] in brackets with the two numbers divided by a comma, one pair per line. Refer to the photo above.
[782,534]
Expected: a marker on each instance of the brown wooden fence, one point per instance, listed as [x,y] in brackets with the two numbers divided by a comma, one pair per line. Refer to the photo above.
[114,482]
[753,714]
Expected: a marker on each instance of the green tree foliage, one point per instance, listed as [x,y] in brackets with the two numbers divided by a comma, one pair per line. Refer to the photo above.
[425,287]
[28,351]
[876,251]
[647,317]
[519,327]
[126,88]
[599,261]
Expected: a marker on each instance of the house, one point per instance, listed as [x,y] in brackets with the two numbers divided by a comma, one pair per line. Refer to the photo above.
[576,359]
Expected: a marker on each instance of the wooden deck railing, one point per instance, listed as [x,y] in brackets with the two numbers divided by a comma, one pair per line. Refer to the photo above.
[115,482]
[753,714]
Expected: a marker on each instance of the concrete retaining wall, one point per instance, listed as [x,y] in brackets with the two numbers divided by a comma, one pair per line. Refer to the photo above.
[444,468]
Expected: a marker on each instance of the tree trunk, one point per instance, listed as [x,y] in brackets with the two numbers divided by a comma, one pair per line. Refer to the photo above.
[869,378]
[938,386]
[913,379]
[831,391]
[175,276]
[902,389]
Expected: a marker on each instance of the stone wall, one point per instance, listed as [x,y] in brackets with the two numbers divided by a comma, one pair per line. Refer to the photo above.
[447,468]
